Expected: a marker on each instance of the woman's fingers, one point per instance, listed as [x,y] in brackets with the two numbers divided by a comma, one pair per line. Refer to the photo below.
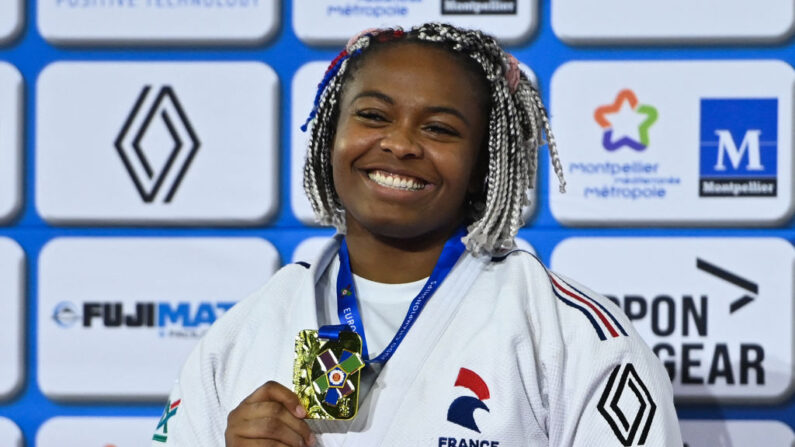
[274,391]
[275,412]
[271,415]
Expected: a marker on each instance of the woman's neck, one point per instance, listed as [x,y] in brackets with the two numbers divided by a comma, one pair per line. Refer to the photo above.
[394,260]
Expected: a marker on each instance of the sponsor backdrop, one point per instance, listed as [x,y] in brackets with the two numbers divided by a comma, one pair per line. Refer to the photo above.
[150,163]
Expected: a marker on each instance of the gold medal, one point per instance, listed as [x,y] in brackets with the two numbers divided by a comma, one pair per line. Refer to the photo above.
[326,374]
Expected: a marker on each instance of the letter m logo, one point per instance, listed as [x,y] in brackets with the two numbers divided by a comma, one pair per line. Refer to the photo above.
[739,139]
[727,148]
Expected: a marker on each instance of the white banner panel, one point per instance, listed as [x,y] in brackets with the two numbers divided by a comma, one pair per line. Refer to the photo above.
[159,22]
[10,435]
[118,316]
[304,89]
[309,249]
[511,21]
[10,139]
[157,143]
[96,431]
[718,312]
[735,433]
[10,19]
[698,21]
[12,311]
[674,143]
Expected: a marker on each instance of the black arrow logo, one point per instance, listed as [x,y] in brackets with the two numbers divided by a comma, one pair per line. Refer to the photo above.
[730,277]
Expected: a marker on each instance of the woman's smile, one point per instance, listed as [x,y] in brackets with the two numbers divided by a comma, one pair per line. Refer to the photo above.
[396,181]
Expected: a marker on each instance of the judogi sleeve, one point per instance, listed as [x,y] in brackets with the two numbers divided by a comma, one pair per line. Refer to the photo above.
[193,416]
[612,390]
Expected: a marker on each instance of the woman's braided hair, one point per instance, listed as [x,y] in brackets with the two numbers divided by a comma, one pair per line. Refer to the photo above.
[517,125]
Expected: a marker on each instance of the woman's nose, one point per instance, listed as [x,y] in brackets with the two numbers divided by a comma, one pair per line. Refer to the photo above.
[401,142]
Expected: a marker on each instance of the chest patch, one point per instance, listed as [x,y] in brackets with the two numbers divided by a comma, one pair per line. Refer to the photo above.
[462,410]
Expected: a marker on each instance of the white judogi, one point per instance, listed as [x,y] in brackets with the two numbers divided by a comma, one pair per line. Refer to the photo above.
[539,361]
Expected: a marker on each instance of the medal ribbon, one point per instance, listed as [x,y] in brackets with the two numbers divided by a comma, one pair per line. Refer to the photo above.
[348,307]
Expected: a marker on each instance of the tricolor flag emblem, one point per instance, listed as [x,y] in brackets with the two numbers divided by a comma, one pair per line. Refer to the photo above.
[334,382]
[603,322]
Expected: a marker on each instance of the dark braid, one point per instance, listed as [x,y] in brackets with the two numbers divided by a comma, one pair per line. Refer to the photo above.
[517,126]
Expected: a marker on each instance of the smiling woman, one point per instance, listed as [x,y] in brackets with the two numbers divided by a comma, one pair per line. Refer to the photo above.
[423,146]
[403,164]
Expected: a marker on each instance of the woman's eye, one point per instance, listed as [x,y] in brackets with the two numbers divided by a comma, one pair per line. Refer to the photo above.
[442,130]
[371,116]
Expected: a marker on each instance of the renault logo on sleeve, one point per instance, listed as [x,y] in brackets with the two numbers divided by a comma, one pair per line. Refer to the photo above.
[625,390]
[157,144]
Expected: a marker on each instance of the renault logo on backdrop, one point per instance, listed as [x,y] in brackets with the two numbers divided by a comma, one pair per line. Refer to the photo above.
[157,144]
[151,143]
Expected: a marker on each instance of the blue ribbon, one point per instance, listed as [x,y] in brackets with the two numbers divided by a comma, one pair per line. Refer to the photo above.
[348,307]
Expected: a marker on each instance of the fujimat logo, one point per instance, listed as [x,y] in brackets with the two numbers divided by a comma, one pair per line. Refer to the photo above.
[462,410]
[636,119]
[161,432]
[180,319]
[334,383]
[157,143]
[627,406]
[731,278]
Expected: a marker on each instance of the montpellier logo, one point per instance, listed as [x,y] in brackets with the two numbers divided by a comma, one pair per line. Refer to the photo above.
[737,280]
[161,432]
[626,391]
[157,143]
[478,7]
[739,147]
[636,119]
[462,410]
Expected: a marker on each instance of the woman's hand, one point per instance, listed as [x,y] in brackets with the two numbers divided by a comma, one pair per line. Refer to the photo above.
[270,416]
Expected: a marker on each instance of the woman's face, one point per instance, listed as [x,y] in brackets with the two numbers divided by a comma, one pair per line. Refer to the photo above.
[410,129]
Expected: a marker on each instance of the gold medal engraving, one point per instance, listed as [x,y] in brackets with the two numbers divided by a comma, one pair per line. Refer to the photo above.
[326,374]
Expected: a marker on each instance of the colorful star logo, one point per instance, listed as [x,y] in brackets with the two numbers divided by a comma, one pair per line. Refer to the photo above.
[625,96]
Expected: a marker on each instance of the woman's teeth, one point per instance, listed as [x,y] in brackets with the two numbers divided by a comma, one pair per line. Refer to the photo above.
[396,181]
